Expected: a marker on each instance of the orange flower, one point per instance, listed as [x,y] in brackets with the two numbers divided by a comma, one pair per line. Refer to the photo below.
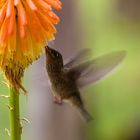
[25,26]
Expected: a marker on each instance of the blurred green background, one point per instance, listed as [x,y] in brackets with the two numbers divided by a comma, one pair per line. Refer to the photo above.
[109,25]
[114,25]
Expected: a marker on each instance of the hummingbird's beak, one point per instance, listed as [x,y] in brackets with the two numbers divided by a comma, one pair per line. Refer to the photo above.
[47,49]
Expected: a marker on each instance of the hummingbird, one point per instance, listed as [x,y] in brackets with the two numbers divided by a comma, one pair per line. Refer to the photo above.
[66,80]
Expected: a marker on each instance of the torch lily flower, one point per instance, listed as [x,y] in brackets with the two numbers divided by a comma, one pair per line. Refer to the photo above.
[25,26]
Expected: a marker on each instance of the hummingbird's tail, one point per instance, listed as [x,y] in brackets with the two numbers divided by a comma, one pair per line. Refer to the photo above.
[85,115]
[77,102]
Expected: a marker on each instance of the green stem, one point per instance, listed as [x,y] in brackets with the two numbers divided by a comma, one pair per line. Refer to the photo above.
[15,126]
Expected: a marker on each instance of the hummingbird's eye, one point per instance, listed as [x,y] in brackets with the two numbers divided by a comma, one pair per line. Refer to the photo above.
[55,54]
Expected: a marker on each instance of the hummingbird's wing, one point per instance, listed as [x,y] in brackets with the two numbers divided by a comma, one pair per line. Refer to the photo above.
[94,70]
[80,57]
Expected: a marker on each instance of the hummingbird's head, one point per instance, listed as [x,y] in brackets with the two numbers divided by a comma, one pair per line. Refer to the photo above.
[53,57]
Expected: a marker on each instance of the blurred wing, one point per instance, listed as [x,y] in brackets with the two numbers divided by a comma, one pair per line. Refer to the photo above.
[94,70]
[81,56]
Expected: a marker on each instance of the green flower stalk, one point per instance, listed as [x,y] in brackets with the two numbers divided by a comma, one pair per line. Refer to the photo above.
[15,126]
[25,26]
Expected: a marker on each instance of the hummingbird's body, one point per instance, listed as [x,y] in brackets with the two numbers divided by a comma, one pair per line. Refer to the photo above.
[65,79]
[63,84]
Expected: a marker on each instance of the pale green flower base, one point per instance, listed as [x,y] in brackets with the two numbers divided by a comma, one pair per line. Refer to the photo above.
[15,126]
